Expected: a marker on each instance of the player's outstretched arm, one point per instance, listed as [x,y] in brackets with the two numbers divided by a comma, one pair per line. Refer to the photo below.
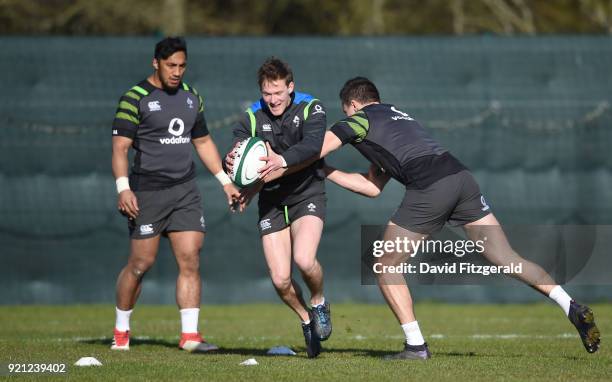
[330,143]
[209,155]
[370,184]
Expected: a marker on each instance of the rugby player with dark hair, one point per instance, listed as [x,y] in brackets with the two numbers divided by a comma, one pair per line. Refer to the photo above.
[439,189]
[161,119]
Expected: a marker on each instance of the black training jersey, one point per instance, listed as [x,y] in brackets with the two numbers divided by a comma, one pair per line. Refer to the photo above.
[162,124]
[395,142]
[297,135]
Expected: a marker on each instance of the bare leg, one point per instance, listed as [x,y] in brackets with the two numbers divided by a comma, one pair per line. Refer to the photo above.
[186,247]
[499,252]
[393,286]
[142,257]
[306,235]
[277,250]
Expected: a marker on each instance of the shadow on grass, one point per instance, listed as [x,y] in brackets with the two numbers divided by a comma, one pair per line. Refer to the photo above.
[243,351]
[499,355]
[133,342]
[301,351]
[357,352]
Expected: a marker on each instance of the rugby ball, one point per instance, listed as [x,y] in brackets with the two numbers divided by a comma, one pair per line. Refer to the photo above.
[246,161]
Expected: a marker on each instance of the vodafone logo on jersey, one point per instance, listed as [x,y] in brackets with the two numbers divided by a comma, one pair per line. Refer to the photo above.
[176,127]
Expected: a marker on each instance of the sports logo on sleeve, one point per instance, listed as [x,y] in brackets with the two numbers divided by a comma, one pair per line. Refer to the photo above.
[318,109]
[176,127]
[485,206]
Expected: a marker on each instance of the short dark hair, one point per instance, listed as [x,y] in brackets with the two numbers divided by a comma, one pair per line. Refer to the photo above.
[168,46]
[274,69]
[359,89]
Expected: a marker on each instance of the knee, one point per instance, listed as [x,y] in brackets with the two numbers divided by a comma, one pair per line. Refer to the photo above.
[306,264]
[138,268]
[189,264]
[281,283]
[393,259]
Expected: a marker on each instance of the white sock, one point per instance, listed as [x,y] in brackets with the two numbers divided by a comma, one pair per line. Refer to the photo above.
[413,333]
[321,303]
[558,295]
[306,322]
[122,319]
[189,320]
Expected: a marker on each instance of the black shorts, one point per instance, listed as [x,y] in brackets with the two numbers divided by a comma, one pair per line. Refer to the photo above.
[178,208]
[274,218]
[455,199]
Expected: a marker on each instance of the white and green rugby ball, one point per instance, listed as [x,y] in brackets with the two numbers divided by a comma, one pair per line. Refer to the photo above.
[246,161]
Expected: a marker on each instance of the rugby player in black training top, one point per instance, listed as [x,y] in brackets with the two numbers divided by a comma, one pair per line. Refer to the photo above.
[439,189]
[160,118]
[292,209]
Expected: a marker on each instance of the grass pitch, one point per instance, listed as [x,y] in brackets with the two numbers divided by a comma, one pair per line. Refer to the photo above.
[469,342]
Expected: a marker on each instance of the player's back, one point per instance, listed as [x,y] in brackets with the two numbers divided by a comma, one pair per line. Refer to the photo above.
[398,144]
[399,134]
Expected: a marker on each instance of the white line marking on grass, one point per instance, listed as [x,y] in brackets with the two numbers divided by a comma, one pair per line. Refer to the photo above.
[80,339]
[483,336]
[255,339]
[395,337]
[511,336]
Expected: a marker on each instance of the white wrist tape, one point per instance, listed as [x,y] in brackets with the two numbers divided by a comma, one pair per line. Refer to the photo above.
[123,183]
[223,178]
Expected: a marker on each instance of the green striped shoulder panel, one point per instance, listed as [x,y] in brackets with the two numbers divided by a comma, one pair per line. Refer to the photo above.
[359,123]
[128,108]
[139,90]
